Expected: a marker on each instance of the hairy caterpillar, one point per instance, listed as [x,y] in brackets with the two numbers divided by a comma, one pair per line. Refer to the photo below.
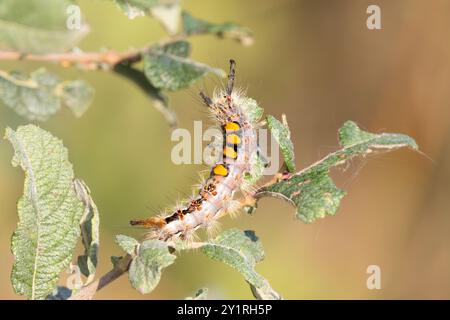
[237,118]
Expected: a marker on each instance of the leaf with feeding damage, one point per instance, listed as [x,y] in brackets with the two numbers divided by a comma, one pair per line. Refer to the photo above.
[312,191]
[41,94]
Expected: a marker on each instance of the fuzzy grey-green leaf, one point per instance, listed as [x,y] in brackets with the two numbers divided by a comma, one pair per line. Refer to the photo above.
[40,26]
[282,135]
[168,67]
[128,244]
[136,8]
[49,212]
[41,94]
[115,260]
[192,25]
[31,97]
[90,233]
[145,269]
[254,113]
[167,12]
[240,250]
[168,15]
[312,191]
[251,108]
[265,292]
[77,95]
[258,165]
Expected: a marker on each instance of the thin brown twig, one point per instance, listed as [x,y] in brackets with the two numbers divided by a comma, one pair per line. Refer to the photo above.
[89,60]
[85,58]
[87,292]
[111,60]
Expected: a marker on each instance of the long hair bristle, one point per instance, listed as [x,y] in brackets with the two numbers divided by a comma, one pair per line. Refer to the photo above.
[153,222]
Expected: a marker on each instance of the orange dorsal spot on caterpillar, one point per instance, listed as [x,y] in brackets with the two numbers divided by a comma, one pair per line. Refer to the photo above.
[220,170]
[233,139]
[232,126]
[229,152]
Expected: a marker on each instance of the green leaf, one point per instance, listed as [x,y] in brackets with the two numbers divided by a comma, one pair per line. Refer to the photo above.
[90,234]
[258,165]
[130,10]
[128,244]
[168,67]
[136,8]
[49,212]
[167,12]
[77,96]
[42,94]
[193,26]
[168,15]
[312,191]
[33,97]
[115,260]
[254,113]
[200,295]
[39,26]
[251,108]
[282,135]
[145,268]
[265,292]
[240,250]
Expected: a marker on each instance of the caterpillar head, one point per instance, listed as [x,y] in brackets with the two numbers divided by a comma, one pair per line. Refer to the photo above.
[223,104]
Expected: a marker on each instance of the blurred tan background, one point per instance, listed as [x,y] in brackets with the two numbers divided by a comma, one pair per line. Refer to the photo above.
[317,62]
